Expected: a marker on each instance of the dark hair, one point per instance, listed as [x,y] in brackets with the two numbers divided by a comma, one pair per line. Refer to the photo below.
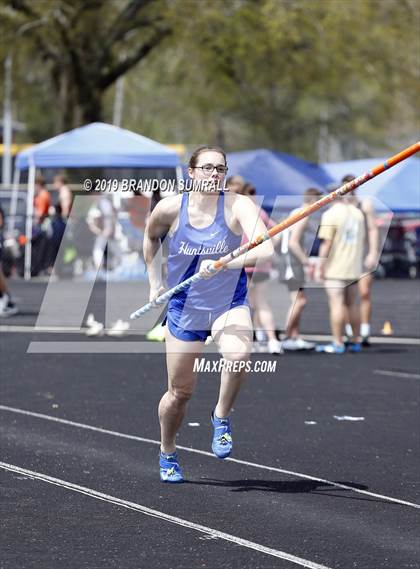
[348,178]
[234,178]
[194,156]
[311,193]
[60,178]
[248,189]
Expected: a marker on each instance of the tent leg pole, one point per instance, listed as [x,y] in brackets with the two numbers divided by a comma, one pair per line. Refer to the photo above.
[29,221]
[13,203]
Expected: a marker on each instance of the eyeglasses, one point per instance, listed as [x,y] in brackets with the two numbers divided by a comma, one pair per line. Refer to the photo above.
[209,168]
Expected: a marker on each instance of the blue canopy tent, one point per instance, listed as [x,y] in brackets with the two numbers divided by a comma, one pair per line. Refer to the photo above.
[97,145]
[397,189]
[279,177]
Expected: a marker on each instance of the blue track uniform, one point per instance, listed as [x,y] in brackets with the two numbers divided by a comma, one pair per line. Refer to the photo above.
[191,313]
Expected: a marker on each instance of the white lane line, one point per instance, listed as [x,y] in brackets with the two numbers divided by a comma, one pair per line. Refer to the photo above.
[25,329]
[214,533]
[42,329]
[205,453]
[391,373]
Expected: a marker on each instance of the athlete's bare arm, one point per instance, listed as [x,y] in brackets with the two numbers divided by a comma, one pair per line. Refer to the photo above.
[373,234]
[296,234]
[324,251]
[66,200]
[159,224]
[247,216]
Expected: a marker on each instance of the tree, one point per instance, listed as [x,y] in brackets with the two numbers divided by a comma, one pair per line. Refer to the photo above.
[87,45]
[300,76]
[288,74]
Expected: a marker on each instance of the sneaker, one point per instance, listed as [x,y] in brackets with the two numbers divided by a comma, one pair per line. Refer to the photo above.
[274,347]
[119,328]
[295,344]
[9,311]
[260,347]
[156,334]
[170,470]
[354,347]
[332,348]
[222,436]
[346,340]
[93,327]
[7,307]
[90,320]
[365,341]
[305,345]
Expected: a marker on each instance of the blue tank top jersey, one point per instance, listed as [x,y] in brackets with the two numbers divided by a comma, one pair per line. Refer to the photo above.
[188,247]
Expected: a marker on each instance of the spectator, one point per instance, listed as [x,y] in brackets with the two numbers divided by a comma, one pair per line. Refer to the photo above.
[235,184]
[258,276]
[58,227]
[297,244]
[42,200]
[65,197]
[101,220]
[341,259]
[370,261]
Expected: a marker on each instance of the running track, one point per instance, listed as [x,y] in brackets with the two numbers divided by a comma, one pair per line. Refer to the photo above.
[85,493]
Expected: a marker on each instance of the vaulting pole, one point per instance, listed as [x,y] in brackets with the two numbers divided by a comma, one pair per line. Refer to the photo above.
[304,212]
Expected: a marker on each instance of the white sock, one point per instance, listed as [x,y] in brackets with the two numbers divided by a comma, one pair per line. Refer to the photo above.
[349,330]
[365,329]
[260,335]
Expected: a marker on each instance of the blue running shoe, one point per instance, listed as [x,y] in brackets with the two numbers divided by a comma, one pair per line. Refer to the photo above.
[222,436]
[170,470]
[332,348]
[354,347]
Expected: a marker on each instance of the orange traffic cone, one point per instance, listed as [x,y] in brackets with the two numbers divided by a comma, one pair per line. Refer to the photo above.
[387,329]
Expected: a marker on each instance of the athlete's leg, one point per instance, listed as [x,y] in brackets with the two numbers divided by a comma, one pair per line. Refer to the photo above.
[3,284]
[7,306]
[263,312]
[336,304]
[180,358]
[259,332]
[365,292]
[98,251]
[298,303]
[252,302]
[350,299]
[232,332]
